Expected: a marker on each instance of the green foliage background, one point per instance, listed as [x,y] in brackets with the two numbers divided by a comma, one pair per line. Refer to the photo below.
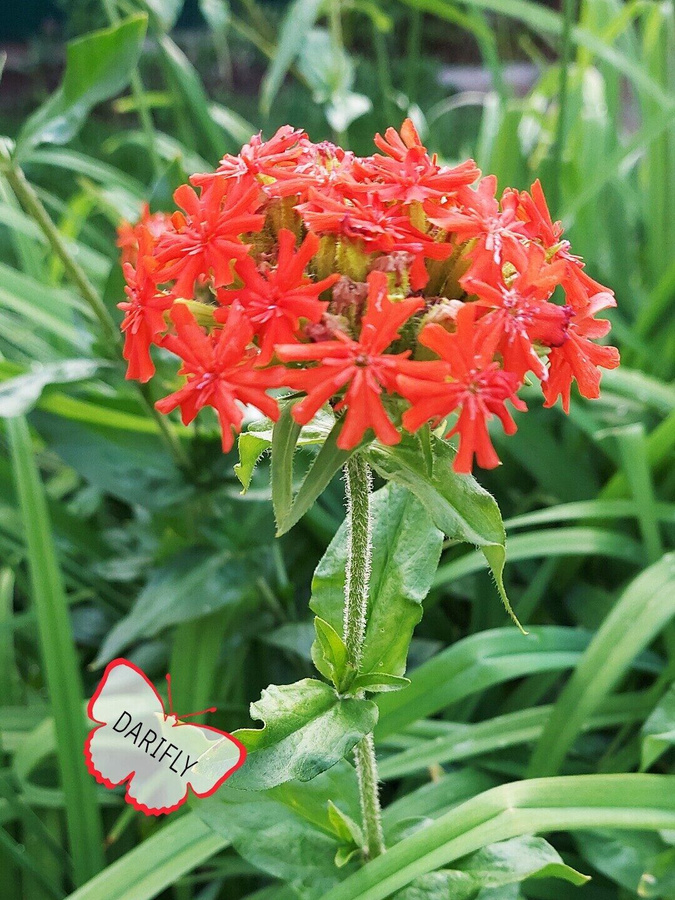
[119,535]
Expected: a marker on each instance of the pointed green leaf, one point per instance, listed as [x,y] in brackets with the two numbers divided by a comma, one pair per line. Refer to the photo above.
[329,655]
[514,860]
[379,682]
[458,505]
[98,66]
[328,461]
[284,440]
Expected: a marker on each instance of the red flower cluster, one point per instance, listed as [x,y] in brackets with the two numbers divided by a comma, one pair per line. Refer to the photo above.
[396,289]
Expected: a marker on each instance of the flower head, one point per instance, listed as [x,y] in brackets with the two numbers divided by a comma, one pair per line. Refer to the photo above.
[306,254]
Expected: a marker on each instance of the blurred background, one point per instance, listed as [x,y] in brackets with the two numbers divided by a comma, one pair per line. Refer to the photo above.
[141,529]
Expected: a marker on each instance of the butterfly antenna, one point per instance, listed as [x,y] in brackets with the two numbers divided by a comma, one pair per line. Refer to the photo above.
[201,712]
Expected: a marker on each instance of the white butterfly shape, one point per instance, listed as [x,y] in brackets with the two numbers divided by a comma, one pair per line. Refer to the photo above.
[157,755]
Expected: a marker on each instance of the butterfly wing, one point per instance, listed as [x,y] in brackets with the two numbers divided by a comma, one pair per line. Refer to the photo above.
[124,695]
[213,756]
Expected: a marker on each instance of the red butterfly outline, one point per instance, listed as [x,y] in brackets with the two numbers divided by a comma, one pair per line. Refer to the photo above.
[101,779]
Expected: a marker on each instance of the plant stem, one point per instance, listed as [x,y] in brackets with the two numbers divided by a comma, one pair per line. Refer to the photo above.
[30,201]
[358,483]
[32,204]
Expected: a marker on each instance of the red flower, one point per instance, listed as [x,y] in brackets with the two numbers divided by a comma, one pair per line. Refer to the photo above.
[259,157]
[407,172]
[324,167]
[382,228]
[478,216]
[520,313]
[578,357]
[144,310]
[579,287]
[207,238]
[220,370]
[360,365]
[467,379]
[276,299]
[128,235]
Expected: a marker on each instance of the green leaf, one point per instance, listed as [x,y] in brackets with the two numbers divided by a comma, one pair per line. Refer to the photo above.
[514,860]
[191,584]
[284,441]
[406,550]
[327,462]
[329,655]
[646,606]
[443,885]
[622,856]
[257,440]
[275,838]
[98,66]
[18,395]
[457,504]
[308,729]
[298,21]
[251,447]
[378,682]
[659,878]
[131,466]
[658,732]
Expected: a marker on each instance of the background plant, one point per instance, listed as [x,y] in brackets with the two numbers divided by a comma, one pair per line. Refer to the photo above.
[178,570]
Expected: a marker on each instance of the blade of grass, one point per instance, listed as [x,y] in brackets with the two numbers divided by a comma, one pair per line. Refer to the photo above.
[633,449]
[634,802]
[474,664]
[645,608]
[9,676]
[157,863]
[449,742]
[553,542]
[59,658]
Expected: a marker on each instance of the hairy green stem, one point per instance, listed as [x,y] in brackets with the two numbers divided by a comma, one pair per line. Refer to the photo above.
[358,483]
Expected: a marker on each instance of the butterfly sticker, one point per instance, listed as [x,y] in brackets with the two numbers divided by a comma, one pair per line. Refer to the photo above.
[157,755]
